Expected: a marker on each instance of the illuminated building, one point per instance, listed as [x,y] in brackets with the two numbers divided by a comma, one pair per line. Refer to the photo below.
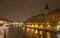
[48,19]
[3,20]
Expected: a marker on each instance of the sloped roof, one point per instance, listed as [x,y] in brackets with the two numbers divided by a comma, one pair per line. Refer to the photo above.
[41,17]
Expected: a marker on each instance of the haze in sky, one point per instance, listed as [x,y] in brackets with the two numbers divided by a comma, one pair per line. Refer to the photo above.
[20,10]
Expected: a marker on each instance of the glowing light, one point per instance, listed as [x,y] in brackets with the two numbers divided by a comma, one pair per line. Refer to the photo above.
[47,23]
[59,22]
[36,25]
[41,26]
[1,22]
[32,30]
[28,29]
[48,26]
[58,27]
[41,32]
[28,25]
[23,28]
[48,35]
[32,25]
[6,27]
[36,31]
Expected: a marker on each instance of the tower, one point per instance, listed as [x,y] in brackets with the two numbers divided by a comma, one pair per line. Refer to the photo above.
[46,10]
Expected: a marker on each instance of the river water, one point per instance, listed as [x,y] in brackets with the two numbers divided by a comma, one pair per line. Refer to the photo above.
[30,33]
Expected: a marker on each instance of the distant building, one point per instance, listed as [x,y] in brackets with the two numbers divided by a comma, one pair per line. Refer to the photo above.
[47,17]
[3,20]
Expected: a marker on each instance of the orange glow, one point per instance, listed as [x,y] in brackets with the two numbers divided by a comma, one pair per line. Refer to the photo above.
[58,27]
[36,31]
[1,22]
[47,23]
[48,35]
[41,32]
[28,25]
[32,25]
[27,29]
[59,22]
[23,28]
[41,26]
[32,30]
[48,26]
[36,25]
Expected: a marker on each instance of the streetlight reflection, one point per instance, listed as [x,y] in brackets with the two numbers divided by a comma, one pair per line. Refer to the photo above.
[32,26]
[48,35]
[41,32]
[36,31]
[23,28]
[41,26]
[28,29]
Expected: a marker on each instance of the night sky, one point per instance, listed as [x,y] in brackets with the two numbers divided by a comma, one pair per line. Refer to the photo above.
[20,10]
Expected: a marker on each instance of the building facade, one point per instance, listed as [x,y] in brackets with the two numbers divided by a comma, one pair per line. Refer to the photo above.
[48,19]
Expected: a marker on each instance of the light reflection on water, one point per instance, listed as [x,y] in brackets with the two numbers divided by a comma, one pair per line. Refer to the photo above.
[34,33]
[30,33]
[58,35]
[48,35]
[41,33]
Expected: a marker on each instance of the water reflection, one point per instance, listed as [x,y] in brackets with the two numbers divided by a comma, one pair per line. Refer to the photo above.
[31,33]
[58,35]
[28,29]
[41,33]
[34,33]
[23,28]
[48,35]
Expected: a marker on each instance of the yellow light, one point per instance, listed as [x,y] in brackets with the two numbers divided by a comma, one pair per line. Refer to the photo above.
[41,32]
[59,22]
[32,30]
[48,35]
[1,22]
[48,26]
[36,25]
[23,28]
[58,27]
[32,25]
[28,25]
[41,26]
[36,31]
[27,29]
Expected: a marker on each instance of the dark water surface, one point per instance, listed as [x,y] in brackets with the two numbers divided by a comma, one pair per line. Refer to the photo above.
[30,33]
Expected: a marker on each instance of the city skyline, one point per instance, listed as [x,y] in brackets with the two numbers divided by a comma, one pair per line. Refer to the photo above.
[21,10]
